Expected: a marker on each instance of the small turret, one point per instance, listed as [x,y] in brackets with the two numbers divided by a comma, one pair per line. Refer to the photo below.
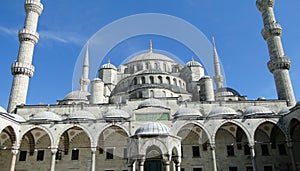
[206,92]
[97,92]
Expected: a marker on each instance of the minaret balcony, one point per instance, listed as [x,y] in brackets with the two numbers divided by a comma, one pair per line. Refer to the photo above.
[27,35]
[34,5]
[279,64]
[272,29]
[22,68]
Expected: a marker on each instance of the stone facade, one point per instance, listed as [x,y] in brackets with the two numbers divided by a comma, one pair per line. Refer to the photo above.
[152,113]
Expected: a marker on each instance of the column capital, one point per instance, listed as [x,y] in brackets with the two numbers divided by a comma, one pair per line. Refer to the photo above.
[93,149]
[212,145]
[14,151]
[54,150]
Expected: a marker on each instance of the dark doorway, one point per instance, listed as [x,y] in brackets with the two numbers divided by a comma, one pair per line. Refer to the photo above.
[153,165]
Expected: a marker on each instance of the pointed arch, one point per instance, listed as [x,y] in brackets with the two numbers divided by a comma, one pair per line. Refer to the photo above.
[91,138]
[29,129]
[275,124]
[238,124]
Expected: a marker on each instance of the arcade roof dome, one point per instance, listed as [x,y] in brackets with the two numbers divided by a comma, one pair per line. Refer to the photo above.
[152,103]
[46,115]
[187,113]
[222,111]
[82,114]
[116,114]
[152,128]
[257,110]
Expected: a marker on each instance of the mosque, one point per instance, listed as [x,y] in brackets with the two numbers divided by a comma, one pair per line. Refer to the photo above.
[151,114]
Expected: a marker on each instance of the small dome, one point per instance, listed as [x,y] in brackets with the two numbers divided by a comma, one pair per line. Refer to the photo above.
[77,95]
[152,128]
[298,103]
[193,63]
[82,114]
[108,65]
[46,115]
[187,113]
[284,111]
[2,110]
[116,114]
[15,117]
[226,91]
[257,110]
[222,111]
[152,103]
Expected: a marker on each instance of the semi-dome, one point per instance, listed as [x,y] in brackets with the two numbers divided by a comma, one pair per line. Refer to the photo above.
[2,110]
[150,56]
[116,114]
[82,114]
[152,103]
[77,95]
[186,113]
[221,111]
[45,115]
[257,110]
[152,128]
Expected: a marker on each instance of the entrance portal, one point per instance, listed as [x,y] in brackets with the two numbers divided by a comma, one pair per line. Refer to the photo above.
[153,165]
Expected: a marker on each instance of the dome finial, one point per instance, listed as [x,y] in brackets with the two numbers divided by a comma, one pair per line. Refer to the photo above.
[108,60]
[193,59]
[150,48]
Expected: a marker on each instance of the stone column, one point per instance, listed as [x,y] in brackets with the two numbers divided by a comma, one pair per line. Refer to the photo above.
[93,164]
[53,158]
[141,164]
[253,156]
[213,154]
[14,153]
[167,165]
[291,151]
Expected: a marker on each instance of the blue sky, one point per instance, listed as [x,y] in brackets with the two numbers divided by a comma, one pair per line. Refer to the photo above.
[66,25]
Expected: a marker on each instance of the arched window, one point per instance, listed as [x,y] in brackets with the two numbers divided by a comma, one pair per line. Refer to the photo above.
[160,80]
[151,93]
[143,80]
[155,65]
[179,83]
[151,80]
[134,81]
[168,80]
[175,81]
[164,93]
[165,67]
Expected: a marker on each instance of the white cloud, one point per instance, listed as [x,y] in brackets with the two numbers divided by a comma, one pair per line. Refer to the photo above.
[63,37]
[8,31]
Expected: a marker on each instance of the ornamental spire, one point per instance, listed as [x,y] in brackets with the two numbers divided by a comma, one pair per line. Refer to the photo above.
[218,78]
[150,48]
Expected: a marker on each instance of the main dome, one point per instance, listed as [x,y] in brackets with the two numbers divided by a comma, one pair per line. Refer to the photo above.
[150,56]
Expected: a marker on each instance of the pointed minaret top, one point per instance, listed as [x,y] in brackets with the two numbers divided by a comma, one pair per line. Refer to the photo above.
[150,48]
[218,78]
[84,81]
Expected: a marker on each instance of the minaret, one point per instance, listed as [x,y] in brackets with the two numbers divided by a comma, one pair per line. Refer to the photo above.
[84,80]
[22,69]
[218,78]
[279,63]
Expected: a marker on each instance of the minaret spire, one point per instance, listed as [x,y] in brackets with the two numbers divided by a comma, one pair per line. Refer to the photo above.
[150,46]
[218,78]
[23,69]
[84,81]
[279,63]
